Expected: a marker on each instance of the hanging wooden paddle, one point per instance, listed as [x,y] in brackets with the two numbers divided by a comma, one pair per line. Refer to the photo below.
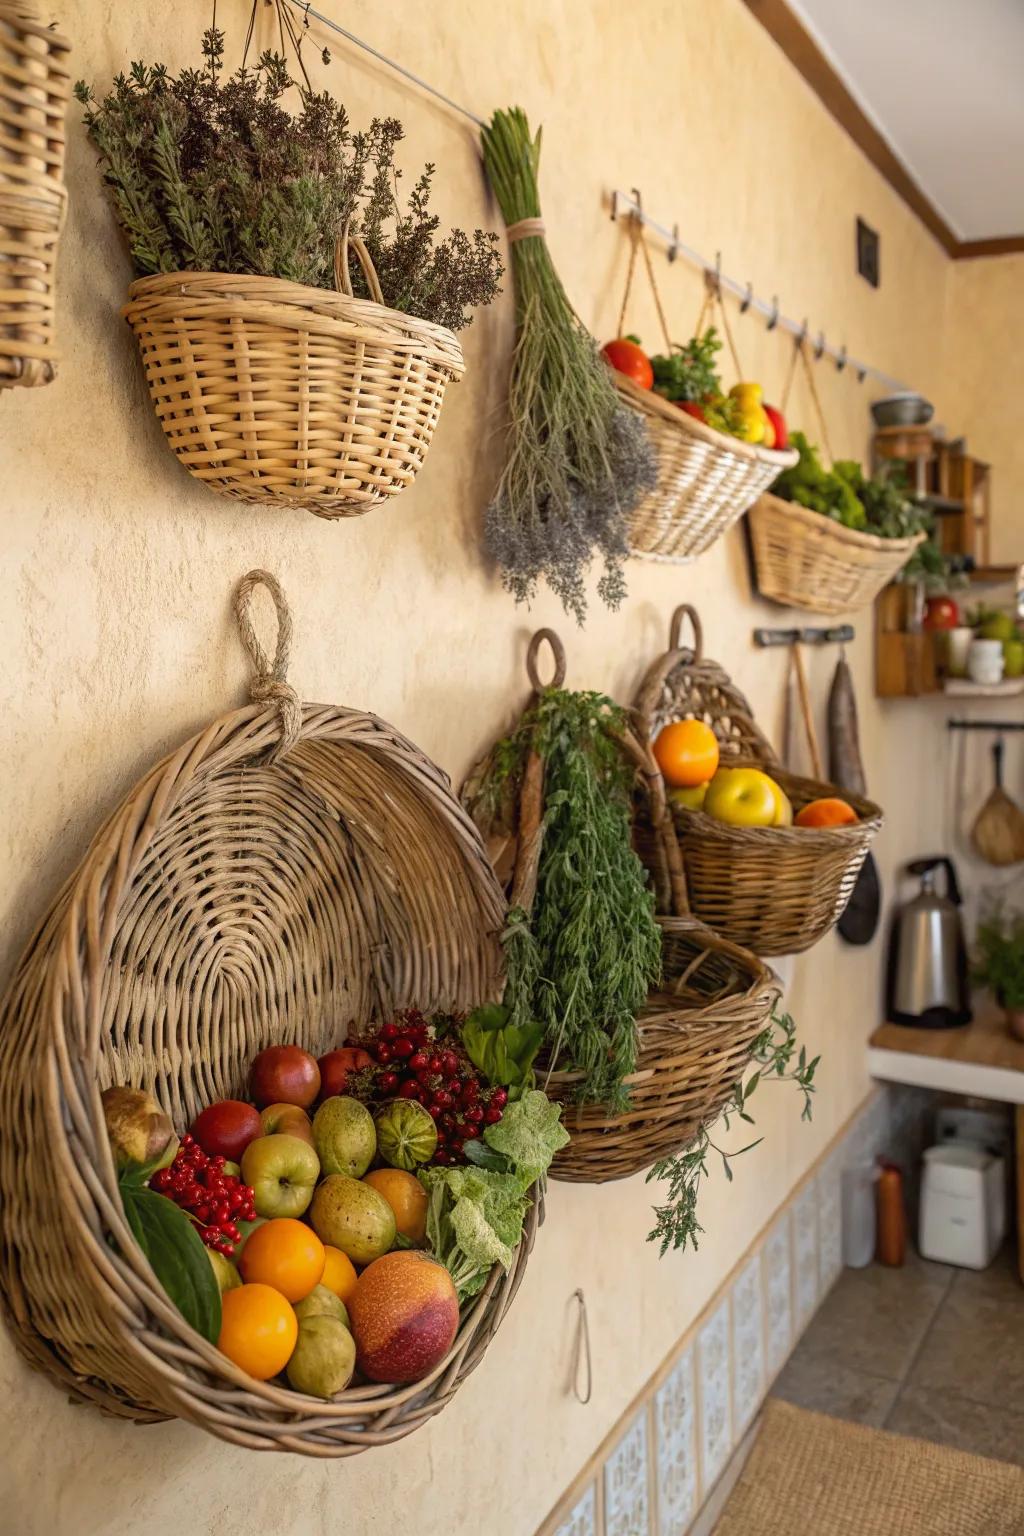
[998,831]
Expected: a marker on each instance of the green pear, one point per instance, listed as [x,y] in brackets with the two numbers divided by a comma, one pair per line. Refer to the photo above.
[224,1272]
[344,1136]
[324,1358]
[321,1302]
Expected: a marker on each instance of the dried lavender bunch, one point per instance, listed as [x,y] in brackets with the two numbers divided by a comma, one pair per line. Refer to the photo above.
[578,462]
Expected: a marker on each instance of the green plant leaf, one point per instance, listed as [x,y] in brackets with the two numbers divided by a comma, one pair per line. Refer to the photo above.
[177,1255]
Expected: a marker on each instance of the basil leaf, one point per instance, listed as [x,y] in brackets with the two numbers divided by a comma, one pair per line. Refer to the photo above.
[177,1255]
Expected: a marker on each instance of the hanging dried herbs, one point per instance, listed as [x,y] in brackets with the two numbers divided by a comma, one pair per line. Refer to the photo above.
[584,958]
[578,462]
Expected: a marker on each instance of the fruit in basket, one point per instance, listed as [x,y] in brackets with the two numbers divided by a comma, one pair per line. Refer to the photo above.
[406,1197]
[628,357]
[344,1136]
[829,811]
[686,751]
[200,1185]
[752,421]
[352,1216]
[783,807]
[779,428]
[743,797]
[224,1272]
[282,1171]
[339,1273]
[225,1129]
[321,1302]
[258,1330]
[286,1254]
[284,1074]
[324,1358]
[286,1120]
[405,1315]
[692,408]
[335,1067]
[691,798]
[137,1127]
[406,1134]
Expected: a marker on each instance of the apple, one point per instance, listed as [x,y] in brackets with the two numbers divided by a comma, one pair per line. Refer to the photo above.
[226,1129]
[336,1066]
[783,807]
[1013,658]
[941,612]
[742,797]
[691,798]
[282,1172]
[284,1074]
[288,1120]
[997,626]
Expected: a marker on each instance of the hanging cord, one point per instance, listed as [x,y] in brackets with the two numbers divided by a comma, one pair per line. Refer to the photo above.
[270,684]
[638,242]
[286,33]
[581,1351]
[713,296]
[800,355]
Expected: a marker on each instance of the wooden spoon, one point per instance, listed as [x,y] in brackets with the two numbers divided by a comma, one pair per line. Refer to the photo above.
[998,831]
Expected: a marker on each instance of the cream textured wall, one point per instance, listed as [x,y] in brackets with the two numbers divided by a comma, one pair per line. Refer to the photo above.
[118,643]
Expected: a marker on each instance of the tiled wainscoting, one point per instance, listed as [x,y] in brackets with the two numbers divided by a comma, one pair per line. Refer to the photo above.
[660,1463]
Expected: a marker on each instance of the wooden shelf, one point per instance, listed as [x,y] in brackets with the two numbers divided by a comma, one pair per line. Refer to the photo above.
[963,688]
[993,575]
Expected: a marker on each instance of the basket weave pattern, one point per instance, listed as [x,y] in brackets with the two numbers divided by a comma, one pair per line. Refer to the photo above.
[805,560]
[34,89]
[272,392]
[775,890]
[290,871]
[706,480]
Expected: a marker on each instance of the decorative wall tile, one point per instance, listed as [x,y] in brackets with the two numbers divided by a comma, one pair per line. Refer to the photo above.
[747,1345]
[830,1223]
[776,1261]
[626,1498]
[583,1519]
[714,1387]
[676,1451]
[805,1255]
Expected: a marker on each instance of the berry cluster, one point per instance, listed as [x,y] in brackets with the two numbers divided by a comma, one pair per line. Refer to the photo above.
[420,1060]
[216,1199]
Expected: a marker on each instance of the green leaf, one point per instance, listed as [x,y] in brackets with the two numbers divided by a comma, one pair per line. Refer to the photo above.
[483,1156]
[529,1134]
[177,1255]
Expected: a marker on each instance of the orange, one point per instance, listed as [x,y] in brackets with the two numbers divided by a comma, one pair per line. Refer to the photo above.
[339,1273]
[406,1197]
[686,751]
[285,1254]
[827,812]
[258,1330]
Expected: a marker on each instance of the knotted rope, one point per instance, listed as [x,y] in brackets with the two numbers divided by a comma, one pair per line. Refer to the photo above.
[269,683]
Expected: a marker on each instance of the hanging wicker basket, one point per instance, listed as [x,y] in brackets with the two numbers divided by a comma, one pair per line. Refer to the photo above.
[272,392]
[290,871]
[775,890]
[34,90]
[805,560]
[696,1032]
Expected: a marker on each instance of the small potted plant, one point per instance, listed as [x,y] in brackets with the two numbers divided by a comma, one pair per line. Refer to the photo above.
[999,963]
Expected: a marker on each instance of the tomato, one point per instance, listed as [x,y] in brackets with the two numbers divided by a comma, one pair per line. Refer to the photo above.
[686,751]
[941,613]
[630,359]
[692,408]
[778,421]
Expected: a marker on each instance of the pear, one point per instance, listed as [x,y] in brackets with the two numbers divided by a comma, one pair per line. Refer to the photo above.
[324,1358]
[321,1302]
[224,1272]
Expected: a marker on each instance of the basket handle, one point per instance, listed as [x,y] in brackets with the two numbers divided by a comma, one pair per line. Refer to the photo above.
[686,611]
[270,679]
[636,746]
[342,275]
[557,651]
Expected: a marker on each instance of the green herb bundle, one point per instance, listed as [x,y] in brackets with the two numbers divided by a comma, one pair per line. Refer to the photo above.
[999,955]
[578,462]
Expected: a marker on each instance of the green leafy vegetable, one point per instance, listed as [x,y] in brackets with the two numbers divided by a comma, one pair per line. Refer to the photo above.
[176,1254]
[690,372]
[474,1221]
[503,1051]
[528,1135]
[811,485]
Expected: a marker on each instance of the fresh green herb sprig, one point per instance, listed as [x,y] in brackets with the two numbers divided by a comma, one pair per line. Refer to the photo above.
[690,372]
[676,1222]
[999,955]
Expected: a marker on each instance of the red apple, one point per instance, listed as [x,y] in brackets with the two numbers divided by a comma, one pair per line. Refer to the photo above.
[336,1066]
[941,612]
[226,1129]
[286,1120]
[284,1074]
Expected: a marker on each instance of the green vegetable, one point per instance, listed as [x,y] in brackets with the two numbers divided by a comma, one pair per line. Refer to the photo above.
[999,947]
[528,1135]
[501,1050]
[175,1252]
[811,485]
[690,372]
[474,1221]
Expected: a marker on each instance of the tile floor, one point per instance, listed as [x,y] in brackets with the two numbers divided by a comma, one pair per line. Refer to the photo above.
[925,1350]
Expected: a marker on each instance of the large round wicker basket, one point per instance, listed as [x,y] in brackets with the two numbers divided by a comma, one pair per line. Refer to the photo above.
[775,890]
[34,89]
[805,560]
[288,872]
[272,392]
[706,480]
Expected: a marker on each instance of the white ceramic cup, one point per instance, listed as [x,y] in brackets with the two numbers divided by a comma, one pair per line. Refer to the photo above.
[985,662]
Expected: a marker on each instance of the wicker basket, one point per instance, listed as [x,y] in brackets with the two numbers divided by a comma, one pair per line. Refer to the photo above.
[276,393]
[775,890]
[706,480]
[289,871]
[34,89]
[696,1036]
[805,560]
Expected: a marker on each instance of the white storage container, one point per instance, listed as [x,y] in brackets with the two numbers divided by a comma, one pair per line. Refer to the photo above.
[963,1205]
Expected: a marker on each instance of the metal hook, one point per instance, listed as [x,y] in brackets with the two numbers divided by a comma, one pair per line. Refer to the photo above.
[638,211]
[819,350]
[581,1353]
[773,318]
[615,204]
[747,299]
[718,271]
[802,335]
[862,374]
[673,250]
[841,359]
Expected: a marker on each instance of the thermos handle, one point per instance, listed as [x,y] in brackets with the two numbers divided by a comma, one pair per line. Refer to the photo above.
[939,861]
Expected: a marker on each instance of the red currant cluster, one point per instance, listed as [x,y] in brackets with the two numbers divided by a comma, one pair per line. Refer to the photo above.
[216,1199]
[433,1069]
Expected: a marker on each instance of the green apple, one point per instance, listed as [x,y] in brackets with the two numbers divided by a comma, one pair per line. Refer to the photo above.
[997,626]
[344,1136]
[286,1120]
[282,1171]
[691,798]
[1013,658]
[324,1357]
[743,797]
[321,1302]
[224,1271]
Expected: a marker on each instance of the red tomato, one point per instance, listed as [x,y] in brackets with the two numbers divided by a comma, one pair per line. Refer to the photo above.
[941,613]
[778,421]
[692,408]
[626,357]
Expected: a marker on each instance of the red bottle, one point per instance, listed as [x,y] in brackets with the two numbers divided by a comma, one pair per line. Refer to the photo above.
[892,1216]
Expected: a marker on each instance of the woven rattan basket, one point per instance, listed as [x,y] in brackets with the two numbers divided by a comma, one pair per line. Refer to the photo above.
[696,1033]
[34,89]
[775,890]
[706,480]
[291,870]
[276,393]
[805,560]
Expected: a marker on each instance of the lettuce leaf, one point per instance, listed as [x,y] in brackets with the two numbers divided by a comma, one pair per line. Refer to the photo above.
[528,1135]
[503,1052]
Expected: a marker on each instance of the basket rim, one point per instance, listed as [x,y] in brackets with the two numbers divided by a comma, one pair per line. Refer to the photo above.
[824,529]
[808,839]
[689,426]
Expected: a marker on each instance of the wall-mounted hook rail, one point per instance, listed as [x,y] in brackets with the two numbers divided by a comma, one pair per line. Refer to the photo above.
[838,634]
[985,725]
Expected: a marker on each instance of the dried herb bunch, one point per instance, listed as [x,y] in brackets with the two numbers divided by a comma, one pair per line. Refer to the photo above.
[577,462]
[214,174]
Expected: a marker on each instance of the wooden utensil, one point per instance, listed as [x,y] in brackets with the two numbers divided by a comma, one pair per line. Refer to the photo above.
[998,831]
